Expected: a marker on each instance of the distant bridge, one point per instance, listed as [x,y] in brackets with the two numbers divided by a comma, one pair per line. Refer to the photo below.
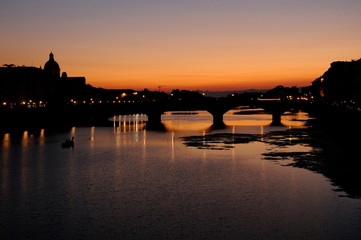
[98,114]
[216,107]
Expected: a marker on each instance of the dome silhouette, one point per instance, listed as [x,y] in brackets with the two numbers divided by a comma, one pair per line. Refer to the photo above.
[51,67]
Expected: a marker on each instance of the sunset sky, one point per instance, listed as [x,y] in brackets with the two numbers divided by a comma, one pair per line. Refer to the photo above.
[186,44]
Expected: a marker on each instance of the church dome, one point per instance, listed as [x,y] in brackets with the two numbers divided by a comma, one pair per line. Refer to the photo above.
[51,67]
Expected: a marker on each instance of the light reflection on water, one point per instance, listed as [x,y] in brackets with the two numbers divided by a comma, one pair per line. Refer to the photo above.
[127,182]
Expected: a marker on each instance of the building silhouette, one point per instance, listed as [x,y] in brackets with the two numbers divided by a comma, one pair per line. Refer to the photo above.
[341,82]
[20,84]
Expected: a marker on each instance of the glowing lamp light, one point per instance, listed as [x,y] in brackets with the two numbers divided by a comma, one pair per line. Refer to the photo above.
[123,95]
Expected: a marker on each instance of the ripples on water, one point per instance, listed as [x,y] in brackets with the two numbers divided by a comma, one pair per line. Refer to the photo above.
[188,182]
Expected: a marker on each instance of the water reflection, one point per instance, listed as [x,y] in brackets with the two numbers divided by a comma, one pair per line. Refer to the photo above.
[25,140]
[129,123]
[173,146]
[5,159]
[201,120]
[6,140]
[42,137]
[186,182]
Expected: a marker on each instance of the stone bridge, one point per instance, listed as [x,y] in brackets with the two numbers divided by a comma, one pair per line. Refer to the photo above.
[98,114]
[216,107]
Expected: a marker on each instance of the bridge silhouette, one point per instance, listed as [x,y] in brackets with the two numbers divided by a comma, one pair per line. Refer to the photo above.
[63,115]
[217,107]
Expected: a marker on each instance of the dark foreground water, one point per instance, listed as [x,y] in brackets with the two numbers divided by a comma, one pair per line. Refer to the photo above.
[189,182]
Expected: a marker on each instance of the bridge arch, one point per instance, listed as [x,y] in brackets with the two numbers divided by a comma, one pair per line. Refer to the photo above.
[216,107]
[275,107]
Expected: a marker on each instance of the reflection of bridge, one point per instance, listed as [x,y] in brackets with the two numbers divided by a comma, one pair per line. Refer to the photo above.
[216,107]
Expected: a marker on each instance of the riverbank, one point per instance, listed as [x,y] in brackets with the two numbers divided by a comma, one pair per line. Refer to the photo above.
[335,153]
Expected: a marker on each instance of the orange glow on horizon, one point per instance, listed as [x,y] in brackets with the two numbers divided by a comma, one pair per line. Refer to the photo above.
[207,77]
[208,73]
[213,75]
[205,45]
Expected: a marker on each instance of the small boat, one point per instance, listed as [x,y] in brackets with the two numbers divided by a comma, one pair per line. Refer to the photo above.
[68,143]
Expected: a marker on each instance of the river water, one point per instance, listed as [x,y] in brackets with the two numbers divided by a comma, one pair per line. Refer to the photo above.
[186,181]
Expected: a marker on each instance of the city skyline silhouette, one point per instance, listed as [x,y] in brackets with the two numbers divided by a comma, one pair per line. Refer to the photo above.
[191,119]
